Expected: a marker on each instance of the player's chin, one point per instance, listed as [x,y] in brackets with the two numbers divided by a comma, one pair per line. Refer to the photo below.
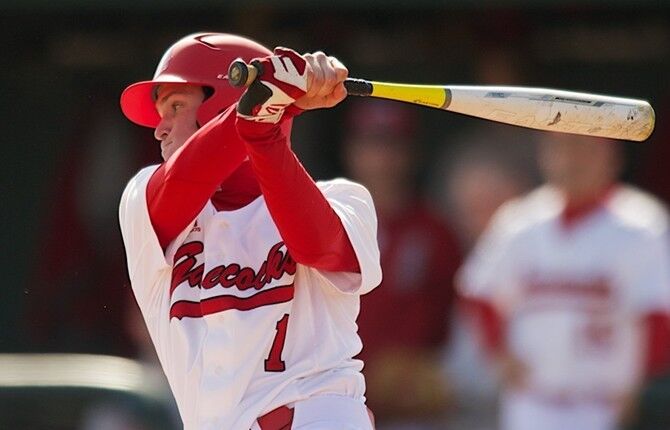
[169,149]
[166,153]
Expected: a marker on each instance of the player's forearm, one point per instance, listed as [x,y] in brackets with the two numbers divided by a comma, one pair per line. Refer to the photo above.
[180,187]
[511,369]
[489,324]
[308,224]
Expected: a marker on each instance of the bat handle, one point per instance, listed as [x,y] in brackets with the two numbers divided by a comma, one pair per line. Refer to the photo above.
[241,74]
[358,87]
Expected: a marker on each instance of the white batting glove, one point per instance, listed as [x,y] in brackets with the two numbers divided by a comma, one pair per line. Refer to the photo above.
[282,79]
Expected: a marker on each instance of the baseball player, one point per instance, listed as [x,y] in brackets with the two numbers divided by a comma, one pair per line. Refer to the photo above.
[247,272]
[575,280]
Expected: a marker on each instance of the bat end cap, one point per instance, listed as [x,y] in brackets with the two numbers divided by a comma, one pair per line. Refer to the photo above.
[238,73]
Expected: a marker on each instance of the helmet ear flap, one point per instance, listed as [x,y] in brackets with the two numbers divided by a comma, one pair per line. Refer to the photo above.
[202,116]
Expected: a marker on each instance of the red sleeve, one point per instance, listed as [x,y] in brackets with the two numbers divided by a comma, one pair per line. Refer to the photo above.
[657,326]
[311,229]
[180,187]
[490,324]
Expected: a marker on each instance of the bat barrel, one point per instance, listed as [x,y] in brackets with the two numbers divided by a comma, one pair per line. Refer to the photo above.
[557,110]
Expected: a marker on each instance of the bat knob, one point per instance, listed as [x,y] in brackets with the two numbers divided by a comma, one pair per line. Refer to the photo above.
[238,74]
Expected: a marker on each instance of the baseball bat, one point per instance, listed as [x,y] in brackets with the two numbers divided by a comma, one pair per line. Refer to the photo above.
[537,108]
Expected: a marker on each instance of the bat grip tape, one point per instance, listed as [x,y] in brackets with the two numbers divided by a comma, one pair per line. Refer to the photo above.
[358,87]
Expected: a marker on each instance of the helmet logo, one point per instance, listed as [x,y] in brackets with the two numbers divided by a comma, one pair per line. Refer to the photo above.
[201,38]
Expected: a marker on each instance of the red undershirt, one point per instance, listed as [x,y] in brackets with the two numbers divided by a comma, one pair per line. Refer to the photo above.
[574,212]
[211,165]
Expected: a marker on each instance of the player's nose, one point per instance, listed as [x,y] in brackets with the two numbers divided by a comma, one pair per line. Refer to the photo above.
[162,130]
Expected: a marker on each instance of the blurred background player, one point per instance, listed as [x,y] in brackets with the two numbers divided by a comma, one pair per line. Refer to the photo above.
[477,169]
[573,285]
[403,324]
[480,170]
[476,173]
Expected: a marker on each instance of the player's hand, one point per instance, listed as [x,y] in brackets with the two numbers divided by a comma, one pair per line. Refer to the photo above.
[283,78]
[312,81]
[627,405]
[512,371]
[325,82]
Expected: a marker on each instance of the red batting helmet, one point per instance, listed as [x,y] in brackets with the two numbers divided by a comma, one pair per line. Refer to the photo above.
[199,59]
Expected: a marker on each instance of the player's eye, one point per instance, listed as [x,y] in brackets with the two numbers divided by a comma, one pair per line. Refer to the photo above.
[176,105]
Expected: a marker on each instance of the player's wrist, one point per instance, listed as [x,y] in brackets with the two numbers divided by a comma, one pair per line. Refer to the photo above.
[291,111]
[259,131]
[282,79]
[256,132]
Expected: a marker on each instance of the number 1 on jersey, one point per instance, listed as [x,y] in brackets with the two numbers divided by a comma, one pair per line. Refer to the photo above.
[274,363]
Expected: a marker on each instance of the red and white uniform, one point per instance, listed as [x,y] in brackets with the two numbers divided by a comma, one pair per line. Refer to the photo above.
[247,272]
[239,327]
[573,293]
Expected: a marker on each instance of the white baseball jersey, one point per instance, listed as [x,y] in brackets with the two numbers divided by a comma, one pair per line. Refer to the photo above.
[239,327]
[573,296]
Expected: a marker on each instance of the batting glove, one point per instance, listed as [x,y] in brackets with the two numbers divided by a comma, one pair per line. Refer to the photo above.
[282,78]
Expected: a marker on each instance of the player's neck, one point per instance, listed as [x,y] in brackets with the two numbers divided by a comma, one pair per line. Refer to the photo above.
[240,189]
[579,205]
